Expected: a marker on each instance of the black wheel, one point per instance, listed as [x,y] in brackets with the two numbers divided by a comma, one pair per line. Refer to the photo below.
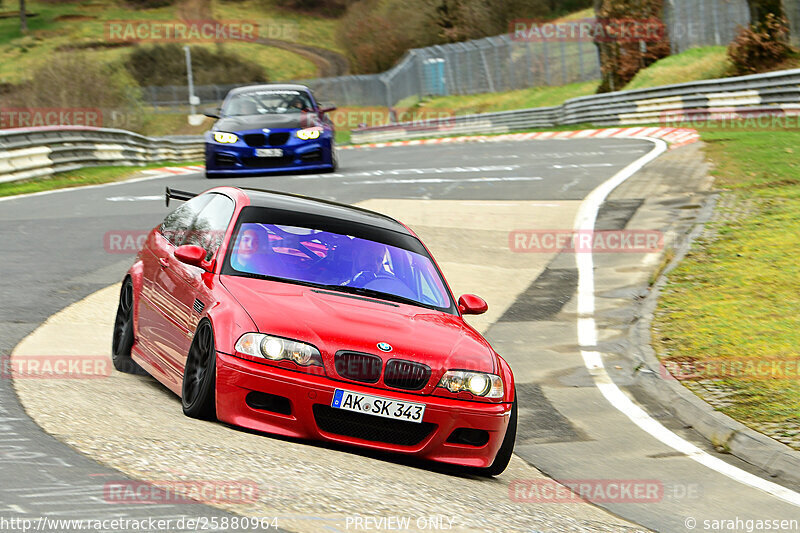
[123,333]
[503,456]
[334,159]
[199,375]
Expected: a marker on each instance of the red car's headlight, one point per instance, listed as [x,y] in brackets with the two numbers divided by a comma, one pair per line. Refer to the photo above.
[478,383]
[278,348]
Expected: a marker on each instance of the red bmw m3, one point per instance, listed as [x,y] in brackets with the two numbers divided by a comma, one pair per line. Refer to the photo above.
[315,320]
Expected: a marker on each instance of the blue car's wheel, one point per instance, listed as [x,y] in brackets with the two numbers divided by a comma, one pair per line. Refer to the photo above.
[334,158]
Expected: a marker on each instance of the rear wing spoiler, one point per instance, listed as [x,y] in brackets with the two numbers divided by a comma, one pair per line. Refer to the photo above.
[183,196]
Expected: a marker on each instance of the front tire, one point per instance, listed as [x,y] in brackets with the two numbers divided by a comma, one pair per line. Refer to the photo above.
[503,456]
[123,333]
[334,159]
[199,375]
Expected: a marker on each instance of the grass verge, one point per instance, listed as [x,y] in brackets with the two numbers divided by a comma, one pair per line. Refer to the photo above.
[733,301]
[692,65]
[77,178]
[519,99]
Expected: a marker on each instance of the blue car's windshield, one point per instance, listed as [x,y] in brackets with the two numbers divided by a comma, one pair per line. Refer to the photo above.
[338,262]
[267,101]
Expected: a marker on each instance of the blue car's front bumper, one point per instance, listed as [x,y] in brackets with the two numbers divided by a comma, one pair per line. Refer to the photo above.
[241,159]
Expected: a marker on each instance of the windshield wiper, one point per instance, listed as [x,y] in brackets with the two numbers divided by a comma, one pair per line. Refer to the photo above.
[347,289]
[375,294]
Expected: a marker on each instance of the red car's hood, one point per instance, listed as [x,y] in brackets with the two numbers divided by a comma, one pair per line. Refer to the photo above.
[339,321]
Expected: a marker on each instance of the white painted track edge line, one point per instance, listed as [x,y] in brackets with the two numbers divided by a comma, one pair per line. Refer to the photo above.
[587,336]
[85,187]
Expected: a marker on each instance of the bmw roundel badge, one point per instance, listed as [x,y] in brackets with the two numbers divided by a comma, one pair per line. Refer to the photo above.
[384,347]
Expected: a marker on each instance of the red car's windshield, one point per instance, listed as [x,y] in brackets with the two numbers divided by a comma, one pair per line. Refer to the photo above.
[337,261]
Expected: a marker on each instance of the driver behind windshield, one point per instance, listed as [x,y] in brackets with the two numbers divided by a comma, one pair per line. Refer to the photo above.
[368,264]
[254,253]
[298,104]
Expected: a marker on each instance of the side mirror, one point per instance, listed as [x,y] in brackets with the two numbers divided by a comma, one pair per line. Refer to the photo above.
[328,109]
[190,254]
[469,304]
[211,112]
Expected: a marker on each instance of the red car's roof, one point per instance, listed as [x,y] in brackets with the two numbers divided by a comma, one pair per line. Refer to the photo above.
[315,206]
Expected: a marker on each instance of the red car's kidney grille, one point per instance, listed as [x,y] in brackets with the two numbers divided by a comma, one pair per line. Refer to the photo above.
[371,428]
[358,366]
[406,374]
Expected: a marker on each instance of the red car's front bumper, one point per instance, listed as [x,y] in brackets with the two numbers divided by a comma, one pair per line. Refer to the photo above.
[236,378]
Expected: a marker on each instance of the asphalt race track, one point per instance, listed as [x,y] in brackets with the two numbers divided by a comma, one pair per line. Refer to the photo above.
[464,200]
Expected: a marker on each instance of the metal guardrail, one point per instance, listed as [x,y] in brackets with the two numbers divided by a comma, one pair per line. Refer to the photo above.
[774,92]
[37,152]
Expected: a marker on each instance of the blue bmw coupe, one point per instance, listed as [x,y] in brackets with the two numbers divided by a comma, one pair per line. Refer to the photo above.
[270,129]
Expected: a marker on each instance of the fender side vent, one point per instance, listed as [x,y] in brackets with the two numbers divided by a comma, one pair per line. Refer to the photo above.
[198,306]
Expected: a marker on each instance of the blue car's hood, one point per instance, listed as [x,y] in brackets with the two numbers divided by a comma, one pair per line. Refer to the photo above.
[275,121]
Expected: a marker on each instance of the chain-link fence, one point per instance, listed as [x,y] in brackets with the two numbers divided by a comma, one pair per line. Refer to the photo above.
[172,97]
[692,23]
[792,9]
[493,64]
[715,22]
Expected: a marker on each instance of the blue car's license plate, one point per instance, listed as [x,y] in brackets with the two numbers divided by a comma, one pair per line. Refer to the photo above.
[269,152]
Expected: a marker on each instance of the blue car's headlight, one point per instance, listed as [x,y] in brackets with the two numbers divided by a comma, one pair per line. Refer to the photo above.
[225,138]
[307,134]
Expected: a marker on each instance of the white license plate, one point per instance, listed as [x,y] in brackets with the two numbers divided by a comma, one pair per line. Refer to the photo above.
[269,152]
[378,406]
